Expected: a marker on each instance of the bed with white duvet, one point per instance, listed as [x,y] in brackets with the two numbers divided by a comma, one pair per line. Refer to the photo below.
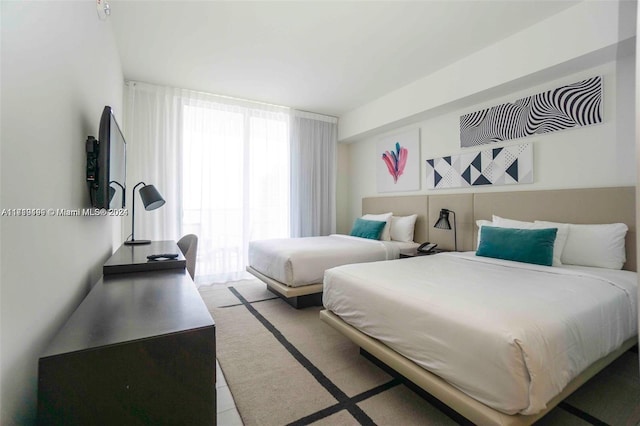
[511,335]
[297,262]
[293,268]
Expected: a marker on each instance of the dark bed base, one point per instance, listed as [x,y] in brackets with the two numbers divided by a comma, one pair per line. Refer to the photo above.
[299,302]
[452,414]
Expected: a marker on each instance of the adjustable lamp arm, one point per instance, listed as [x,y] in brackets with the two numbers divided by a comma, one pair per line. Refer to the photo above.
[455,236]
[133,209]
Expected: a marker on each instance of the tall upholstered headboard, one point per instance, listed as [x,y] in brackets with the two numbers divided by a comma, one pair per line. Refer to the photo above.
[589,205]
[586,205]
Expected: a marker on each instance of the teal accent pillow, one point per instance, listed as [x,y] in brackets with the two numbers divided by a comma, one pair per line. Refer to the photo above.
[522,245]
[367,229]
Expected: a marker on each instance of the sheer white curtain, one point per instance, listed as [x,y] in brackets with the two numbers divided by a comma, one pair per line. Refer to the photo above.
[152,124]
[314,139]
[231,170]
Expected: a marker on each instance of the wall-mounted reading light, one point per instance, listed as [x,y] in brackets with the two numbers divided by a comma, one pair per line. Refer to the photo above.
[443,223]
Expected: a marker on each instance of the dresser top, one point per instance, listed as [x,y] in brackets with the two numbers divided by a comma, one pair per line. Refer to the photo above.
[133,306]
[133,258]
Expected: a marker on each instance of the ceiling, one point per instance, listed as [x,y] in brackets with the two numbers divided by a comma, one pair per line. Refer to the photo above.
[322,56]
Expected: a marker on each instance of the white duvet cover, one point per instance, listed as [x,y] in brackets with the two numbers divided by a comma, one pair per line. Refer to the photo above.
[302,261]
[508,334]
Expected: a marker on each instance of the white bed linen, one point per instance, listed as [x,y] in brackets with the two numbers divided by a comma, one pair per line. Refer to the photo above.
[302,261]
[405,247]
[508,334]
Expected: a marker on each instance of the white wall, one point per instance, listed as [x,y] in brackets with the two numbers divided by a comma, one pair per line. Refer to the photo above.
[59,67]
[596,156]
[580,36]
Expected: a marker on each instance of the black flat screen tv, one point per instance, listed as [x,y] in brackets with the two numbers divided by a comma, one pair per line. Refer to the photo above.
[106,164]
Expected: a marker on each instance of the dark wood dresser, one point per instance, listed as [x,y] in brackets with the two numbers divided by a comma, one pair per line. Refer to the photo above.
[139,350]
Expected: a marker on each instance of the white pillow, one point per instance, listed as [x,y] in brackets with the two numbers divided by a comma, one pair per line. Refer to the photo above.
[402,228]
[561,236]
[601,246]
[480,223]
[384,217]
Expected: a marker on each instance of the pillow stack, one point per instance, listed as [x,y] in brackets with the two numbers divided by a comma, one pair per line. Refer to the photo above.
[600,246]
[384,217]
[394,228]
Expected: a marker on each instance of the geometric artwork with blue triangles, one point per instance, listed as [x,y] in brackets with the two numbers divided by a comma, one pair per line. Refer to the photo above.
[497,166]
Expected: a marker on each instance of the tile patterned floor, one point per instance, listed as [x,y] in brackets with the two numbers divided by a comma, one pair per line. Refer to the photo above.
[227,412]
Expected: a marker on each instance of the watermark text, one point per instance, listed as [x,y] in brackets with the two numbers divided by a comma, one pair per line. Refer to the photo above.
[30,212]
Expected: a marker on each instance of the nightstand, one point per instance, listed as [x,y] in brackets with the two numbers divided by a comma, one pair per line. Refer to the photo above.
[417,253]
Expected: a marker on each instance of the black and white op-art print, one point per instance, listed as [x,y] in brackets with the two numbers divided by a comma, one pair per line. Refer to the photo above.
[574,105]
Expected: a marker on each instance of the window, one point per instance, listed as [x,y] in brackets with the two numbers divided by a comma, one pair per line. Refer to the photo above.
[235,182]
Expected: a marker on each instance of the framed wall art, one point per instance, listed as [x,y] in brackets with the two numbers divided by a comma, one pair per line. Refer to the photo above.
[574,105]
[398,162]
[496,166]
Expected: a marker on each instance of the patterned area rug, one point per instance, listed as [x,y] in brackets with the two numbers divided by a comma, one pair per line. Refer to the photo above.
[286,367]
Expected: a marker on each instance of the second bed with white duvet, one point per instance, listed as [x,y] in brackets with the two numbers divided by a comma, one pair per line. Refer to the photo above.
[510,335]
[297,262]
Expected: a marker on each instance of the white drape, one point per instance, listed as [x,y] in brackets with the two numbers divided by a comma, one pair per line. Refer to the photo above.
[228,177]
[313,174]
[152,126]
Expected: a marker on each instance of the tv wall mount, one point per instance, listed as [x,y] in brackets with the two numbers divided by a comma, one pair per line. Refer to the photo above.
[92,147]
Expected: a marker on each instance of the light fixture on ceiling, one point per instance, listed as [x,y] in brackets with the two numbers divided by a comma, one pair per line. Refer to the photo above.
[103,8]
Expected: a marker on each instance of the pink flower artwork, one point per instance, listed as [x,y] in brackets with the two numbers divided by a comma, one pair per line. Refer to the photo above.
[395,161]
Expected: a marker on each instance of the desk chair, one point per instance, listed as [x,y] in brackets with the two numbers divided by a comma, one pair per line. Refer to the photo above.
[189,248]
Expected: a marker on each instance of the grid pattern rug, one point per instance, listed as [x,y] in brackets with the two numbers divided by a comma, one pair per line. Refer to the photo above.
[286,367]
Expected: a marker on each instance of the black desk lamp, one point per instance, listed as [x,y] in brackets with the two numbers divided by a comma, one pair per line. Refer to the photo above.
[443,223]
[151,199]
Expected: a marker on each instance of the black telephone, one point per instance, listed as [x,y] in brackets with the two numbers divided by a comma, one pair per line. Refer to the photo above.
[427,247]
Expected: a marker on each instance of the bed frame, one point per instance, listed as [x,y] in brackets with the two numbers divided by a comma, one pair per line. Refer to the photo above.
[311,295]
[592,205]
[298,297]
[468,407]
